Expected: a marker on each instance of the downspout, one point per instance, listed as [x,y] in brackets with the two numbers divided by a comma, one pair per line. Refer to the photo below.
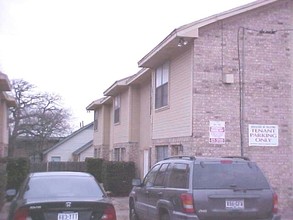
[241,85]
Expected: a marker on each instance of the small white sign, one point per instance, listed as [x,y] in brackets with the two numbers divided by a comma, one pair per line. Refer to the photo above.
[217,132]
[263,135]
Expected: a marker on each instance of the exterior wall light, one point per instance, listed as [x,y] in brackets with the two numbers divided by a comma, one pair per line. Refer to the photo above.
[182,42]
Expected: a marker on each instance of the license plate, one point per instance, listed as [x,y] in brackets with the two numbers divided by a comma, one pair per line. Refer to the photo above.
[235,204]
[68,216]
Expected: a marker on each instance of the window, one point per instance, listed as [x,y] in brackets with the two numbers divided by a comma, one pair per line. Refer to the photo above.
[179,176]
[162,152]
[119,154]
[150,177]
[160,177]
[96,115]
[216,176]
[176,150]
[117,109]
[162,79]
[55,158]
[95,153]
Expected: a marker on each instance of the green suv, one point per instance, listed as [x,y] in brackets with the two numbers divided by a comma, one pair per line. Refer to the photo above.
[198,188]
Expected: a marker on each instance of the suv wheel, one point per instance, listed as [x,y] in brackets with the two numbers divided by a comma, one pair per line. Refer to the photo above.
[132,212]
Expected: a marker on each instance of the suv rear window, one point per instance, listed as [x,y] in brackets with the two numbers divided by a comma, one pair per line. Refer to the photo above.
[228,175]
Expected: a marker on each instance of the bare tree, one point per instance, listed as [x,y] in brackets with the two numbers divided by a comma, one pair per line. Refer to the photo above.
[38,115]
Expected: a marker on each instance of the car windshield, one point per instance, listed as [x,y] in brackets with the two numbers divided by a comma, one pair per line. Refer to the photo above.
[227,176]
[62,186]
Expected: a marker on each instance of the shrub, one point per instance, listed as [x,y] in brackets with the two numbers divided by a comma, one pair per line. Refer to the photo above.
[117,177]
[17,170]
[94,166]
[3,180]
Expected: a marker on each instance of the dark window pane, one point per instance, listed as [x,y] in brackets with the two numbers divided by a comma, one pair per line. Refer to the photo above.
[179,176]
[116,115]
[237,175]
[150,177]
[54,187]
[160,177]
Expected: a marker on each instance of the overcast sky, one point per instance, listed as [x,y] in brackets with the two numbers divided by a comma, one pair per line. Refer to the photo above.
[79,48]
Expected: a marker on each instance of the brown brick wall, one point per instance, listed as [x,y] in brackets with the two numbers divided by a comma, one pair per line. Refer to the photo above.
[266,70]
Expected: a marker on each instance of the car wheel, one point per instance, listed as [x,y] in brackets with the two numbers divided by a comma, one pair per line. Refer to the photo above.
[165,216]
[132,212]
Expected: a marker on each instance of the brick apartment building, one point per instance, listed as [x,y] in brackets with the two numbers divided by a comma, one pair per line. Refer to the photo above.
[216,87]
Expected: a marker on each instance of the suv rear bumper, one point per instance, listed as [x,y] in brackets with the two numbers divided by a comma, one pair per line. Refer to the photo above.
[182,216]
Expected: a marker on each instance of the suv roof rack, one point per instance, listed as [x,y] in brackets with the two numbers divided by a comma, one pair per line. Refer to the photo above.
[237,157]
[180,157]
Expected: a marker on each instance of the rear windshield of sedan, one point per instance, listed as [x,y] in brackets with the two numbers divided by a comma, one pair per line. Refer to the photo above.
[228,176]
[57,187]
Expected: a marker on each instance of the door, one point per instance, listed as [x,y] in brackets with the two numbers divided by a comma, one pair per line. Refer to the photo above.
[145,162]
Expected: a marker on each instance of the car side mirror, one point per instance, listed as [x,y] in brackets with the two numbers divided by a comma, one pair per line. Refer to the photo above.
[136,182]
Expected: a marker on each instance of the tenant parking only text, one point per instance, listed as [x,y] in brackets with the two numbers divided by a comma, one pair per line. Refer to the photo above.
[263,135]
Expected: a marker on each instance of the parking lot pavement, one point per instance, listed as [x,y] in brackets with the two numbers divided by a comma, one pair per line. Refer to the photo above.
[121,207]
[4,211]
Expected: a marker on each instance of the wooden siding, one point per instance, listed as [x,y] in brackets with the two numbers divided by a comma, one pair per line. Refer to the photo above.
[106,124]
[145,116]
[88,153]
[175,120]
[121,129]
[134,120]
[66,149]
[102,134]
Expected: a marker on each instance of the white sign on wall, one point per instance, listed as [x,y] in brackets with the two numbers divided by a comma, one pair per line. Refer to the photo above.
[263,135]
[217,132]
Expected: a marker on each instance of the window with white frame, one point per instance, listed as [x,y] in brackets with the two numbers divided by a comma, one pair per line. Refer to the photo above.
[55,158]
[96,124]
[117,109]
[162,82]
[162,152]
[119,154]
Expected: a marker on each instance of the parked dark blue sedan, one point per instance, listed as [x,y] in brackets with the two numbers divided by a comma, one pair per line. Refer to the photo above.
[61,196]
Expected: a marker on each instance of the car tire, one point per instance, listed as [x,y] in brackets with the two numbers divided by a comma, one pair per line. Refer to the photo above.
[165,216]
[132,212]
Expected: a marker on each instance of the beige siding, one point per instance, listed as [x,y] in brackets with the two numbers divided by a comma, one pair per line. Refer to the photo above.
[88,153]
[106,123]
[121,129]
[98,133]
[145,117]
[101,135]
[134,120]
[176,120]
[67,148]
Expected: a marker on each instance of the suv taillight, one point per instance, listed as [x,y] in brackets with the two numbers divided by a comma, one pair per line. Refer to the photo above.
[187,202]
[21,214]
[109,213]
[275,203]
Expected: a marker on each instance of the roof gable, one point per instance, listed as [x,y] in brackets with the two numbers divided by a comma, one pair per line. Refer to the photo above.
[74,134]
[169,46]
